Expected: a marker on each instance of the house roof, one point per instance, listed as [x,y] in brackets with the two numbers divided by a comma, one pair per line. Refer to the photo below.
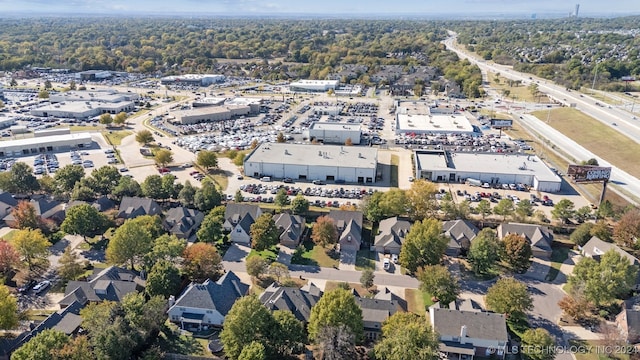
[458,231]
[376,310]
[242,214]
[392,231]
[348,223]
[632,308]
[46,208]
[182,220]
[292,226]
[297,301]
[103,203]
[131,207]
[479,325]
[112,284]
[596,247]
[6,199]
[540,237]
[219,295]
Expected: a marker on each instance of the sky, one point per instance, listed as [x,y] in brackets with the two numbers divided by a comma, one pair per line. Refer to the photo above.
[457,8]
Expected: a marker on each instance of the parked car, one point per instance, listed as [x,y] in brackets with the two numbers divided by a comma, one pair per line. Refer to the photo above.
[41,286]
[27,286]
[386,264]
[394,258]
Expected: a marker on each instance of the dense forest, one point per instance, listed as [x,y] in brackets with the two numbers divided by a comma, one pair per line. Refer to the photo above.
[566,51]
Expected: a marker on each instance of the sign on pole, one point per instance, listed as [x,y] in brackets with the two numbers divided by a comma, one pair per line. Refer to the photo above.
[584,173]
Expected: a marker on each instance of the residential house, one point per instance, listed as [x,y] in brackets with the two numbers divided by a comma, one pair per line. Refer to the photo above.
[132,207]
[465,334]
[374,313]
[628,320]
[7,203]
[297,301]
[101,204]
[110,284]
[204,305]
[460,304]
[460,234]
[349,225]
[45,208]
[540,237]
[238,219]
[182,222]
[595,248]
[391,233]
[291,228]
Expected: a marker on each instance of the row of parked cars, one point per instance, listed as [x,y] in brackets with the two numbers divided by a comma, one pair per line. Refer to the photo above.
[342,193]
[43,163]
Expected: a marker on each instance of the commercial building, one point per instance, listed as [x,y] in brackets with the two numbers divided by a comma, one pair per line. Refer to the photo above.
[7,122]
[22,147]
[192,79]
[210,114]
[335,133]
[421,118]
[208,101]
[82,110]
[107,96]
[492,168]
[313,85]
[350,164]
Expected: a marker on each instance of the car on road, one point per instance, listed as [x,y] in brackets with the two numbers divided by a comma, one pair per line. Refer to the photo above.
[411,179]
[614,124]
[41,286]
[187,165]
[124,169]
[240,177]
[287,180]
[164,170]
[317,182]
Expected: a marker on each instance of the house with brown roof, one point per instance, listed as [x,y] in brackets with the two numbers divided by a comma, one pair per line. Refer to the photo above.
[349,225]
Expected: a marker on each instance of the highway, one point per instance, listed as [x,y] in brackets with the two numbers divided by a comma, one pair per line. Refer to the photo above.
[625,122]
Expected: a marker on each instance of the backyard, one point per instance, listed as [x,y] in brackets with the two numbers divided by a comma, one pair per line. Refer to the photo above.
[417,301]
[315,255]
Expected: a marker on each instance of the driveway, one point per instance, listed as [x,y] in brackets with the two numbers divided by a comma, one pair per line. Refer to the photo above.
[539,269]
[236,253]
[347,260]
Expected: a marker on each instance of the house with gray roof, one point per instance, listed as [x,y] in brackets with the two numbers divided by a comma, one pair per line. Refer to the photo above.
[391,234]
[540,237]
[45,208]
[204,305]
[101,204]
[291,229]
[374,313]
[297,301]
[628,320]
[7,203]
[238,219]
[110,284]
[595,248]
[465,334]
[460,234]
[132,207]
[349,225]
[182,222]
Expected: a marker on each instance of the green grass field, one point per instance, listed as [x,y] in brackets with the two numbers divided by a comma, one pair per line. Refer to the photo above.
[115,137]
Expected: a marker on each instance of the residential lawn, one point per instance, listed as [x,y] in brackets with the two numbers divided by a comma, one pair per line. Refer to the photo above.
[172,340]
[395,162]
[558,256]
[365,259]
[519,93]
[597,137]
[331,285]
[594,350]
[269,254]
[115,137]
[205,345]
[94,243]
[315,255]
[417,301]
[8,236]
[220,178]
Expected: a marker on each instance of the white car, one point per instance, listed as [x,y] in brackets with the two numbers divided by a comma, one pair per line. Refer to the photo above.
[41,286]
[386,264]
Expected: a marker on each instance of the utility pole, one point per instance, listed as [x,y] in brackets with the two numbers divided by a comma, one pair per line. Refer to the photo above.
[595,76]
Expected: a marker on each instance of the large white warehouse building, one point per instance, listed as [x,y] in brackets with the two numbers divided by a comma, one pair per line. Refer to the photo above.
[313,85]
[349,164]
[492,168]
[35,145]
[335,133]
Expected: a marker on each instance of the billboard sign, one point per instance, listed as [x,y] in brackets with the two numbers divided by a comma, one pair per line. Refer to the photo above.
[500,123]
[582,173]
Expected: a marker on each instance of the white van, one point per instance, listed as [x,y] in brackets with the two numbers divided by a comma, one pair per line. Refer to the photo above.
[266,179]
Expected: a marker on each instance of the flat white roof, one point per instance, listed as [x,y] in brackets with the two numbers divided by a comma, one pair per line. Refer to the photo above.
[211,100]
[334,126]
[315,82]
[79,106]
[46,140]
[206,110]
[243,101]
[315,155]
[453,123]
[193,77]
[495,163]
[97,95]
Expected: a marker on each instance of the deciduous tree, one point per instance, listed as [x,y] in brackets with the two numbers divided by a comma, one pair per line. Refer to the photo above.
[201,262]
[517,252]
[127,187]
[67,177]
[207,159]
[70,267]
[281,199]
[187,195]
[40,346]
[144,137]
[484,251]
[8,309]
[627,230]
[438,281]
[279,270]
[575,306]
[84,220]
[256,266]
[25,216]
[581,234]
[247,321]
[253,351]
[211,227]
[504,208]
[324,232]
[264,232]
[406,335]
[152,187]
[105,119]
[104,179]
[163,279]
[366,279]
[129,244]
[424,245]
[336,343]
[336,307]
[166,247]
[162,157]
[207,197]
[32,246]
[9,258]
[563,210]
[509,296]
[21,180]
[120,118]
[299,205]
[421,199]
[538,344]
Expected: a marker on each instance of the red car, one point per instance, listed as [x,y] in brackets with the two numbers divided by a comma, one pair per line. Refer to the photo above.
[163,170]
